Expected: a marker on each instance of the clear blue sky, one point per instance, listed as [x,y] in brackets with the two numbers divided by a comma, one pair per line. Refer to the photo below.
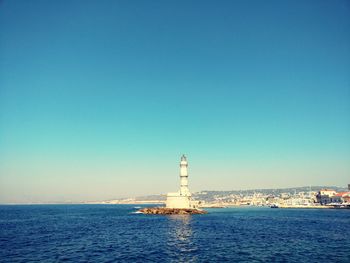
[98,99]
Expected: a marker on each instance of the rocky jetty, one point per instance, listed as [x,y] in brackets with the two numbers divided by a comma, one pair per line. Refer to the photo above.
[171,211]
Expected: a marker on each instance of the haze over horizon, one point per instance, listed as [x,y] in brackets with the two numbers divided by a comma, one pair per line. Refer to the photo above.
[99,99]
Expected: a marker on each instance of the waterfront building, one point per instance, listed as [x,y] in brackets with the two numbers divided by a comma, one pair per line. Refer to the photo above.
[346,198]
[329,192]
[324,196]
[285,195]
[182,198]
[341,197]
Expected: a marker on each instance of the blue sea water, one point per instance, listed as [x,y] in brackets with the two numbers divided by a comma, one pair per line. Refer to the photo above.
[114,233]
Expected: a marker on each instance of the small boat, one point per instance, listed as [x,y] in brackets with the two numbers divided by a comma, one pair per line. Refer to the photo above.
[274,206]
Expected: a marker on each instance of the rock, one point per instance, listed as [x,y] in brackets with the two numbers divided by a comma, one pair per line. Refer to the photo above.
[171,211]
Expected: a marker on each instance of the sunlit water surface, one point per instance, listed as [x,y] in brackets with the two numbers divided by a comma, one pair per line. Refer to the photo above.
[114,233]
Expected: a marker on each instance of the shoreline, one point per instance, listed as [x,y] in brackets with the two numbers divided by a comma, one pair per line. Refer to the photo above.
[315,207]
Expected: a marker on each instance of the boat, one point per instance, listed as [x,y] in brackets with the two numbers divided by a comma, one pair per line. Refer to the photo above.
[274,206]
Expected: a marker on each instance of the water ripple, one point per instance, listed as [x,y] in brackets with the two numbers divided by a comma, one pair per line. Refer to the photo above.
[113,233]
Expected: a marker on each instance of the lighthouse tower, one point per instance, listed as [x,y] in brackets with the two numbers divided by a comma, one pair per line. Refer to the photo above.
[181,199]
[184,177]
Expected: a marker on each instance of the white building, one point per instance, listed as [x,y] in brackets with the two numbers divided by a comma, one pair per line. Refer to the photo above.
[329,192]
[182,198]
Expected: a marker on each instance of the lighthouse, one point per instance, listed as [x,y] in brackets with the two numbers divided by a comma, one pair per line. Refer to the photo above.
[182,198]
[178,203]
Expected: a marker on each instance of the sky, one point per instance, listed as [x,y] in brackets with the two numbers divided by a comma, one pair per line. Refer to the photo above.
[99,99]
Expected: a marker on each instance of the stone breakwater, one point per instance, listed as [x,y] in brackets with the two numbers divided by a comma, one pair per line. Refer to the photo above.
[171,211]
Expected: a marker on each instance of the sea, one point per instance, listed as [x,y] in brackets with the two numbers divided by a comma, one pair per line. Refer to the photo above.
[116,233]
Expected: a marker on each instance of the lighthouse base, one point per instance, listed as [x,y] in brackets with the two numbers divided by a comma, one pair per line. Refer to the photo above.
[176,200]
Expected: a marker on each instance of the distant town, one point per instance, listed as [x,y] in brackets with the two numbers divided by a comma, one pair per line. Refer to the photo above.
[298,197]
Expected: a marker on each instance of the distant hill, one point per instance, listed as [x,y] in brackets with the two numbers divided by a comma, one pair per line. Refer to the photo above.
[151,197]
[210,195]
